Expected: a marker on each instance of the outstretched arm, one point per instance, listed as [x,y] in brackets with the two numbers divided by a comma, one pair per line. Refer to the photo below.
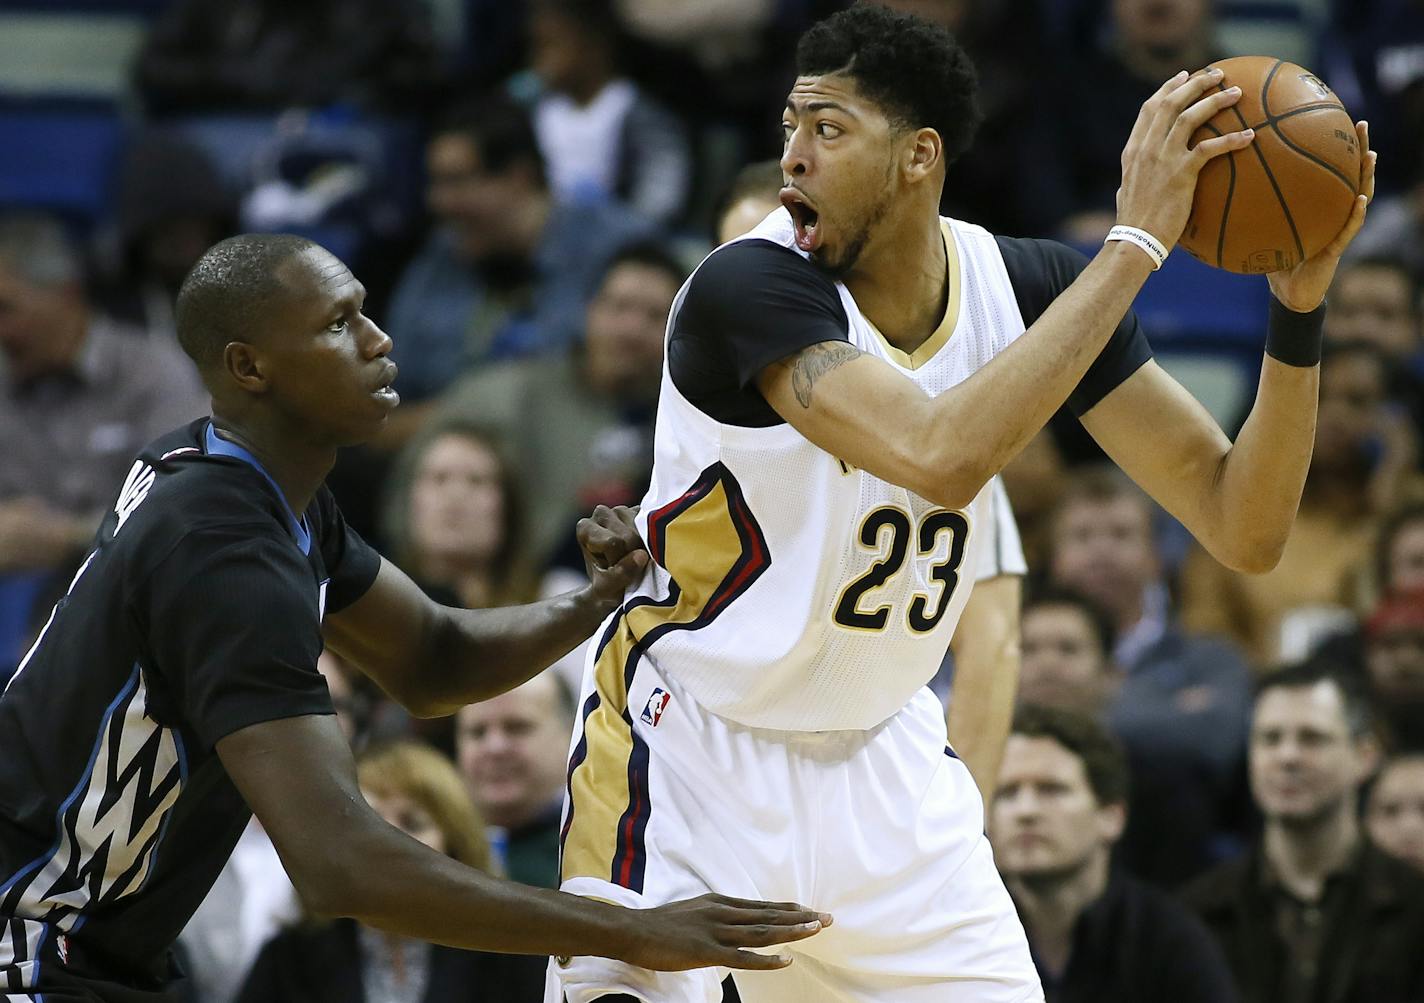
[298,777]
[1239,499]
[434,659]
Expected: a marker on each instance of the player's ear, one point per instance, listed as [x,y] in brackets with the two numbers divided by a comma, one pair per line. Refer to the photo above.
[243,365]
[924,154]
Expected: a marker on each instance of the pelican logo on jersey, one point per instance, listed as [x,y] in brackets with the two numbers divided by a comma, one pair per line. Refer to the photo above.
[657,703]
[136,487]
[111,824]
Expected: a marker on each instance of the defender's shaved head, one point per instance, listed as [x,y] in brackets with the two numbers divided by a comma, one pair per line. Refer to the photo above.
[224,297]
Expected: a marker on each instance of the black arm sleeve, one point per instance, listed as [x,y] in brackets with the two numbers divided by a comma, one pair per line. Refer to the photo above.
[351,562]
[234,628]
[1041,269]
[749,304]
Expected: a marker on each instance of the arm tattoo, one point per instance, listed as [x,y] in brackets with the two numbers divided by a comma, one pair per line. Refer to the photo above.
[816,361]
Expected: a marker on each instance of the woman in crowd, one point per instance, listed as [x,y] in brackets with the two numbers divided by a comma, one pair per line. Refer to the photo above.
[1394,812]
[419,792]
[452,518]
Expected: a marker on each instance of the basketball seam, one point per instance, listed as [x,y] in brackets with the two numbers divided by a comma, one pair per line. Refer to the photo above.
[1280,197]
[1265,165]
[1226,203]
[1299,110]
[1314,159]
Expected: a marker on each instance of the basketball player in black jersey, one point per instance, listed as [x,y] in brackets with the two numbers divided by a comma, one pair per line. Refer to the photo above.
[175,686]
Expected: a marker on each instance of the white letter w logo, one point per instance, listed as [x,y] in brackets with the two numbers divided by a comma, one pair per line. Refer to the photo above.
[110,826]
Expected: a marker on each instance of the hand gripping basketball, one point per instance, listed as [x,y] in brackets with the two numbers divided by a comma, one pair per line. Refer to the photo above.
[1159,164]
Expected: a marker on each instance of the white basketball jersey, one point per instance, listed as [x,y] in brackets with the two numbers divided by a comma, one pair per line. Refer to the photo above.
[791,591]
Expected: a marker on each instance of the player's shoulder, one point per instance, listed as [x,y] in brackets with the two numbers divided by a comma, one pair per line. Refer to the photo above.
[175,494]
[1039,266]
[759,281]
[757,260]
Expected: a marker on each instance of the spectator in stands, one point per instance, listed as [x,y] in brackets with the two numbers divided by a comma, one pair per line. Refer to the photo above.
[1376,300]
[722,64]
[602,137]
[1394,657]
[578,424]
[171,206]
[1364,466]
[1396,223]
[454,517]
[1314,913]
[509,268]
[1400,555]
[1070,156]
[1182,802]
[79,395]
[1394,811]
[1066,643]
[416,790]
[1180,706]
[1397,569]
[1179,689]
[512,751]
[753,195]
[206,56]
[1381,79]
[1095,933]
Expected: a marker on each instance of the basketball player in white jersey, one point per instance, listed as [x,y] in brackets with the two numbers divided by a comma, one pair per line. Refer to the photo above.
[841,386]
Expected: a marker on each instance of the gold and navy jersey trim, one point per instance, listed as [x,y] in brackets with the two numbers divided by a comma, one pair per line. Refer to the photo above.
[713,550]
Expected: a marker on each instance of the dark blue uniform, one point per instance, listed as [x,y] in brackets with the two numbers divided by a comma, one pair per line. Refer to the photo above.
[197,614]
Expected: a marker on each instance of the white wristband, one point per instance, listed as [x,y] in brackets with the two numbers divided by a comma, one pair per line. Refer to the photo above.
[1150,245]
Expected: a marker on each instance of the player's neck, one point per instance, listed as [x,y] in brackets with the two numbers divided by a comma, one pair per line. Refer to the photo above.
[901,282]
[297,467]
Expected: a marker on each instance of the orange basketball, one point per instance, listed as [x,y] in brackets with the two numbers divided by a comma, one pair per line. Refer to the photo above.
[1284,197]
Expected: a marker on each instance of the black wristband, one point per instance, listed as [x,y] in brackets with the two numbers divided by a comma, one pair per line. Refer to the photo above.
[1295,338]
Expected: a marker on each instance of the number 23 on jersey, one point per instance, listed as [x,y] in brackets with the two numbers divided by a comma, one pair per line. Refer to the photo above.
[890,533]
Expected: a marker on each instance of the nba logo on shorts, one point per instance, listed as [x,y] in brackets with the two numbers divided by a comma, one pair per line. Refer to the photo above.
[657,703]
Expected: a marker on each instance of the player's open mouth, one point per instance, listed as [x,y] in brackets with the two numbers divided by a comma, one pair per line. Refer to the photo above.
[805,219]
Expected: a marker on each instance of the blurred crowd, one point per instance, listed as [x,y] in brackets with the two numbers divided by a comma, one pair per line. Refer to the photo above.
[1215,785]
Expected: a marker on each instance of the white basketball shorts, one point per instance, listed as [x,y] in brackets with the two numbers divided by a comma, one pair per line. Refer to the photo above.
[882,828]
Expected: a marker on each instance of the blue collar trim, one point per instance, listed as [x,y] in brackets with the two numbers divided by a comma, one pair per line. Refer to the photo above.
[216,444]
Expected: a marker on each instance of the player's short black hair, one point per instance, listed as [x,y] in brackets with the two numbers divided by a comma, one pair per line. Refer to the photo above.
[648,254]
[913,69]
[1101,754]
[225,293]
[500,129]
[1058,595]
[1309,674]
